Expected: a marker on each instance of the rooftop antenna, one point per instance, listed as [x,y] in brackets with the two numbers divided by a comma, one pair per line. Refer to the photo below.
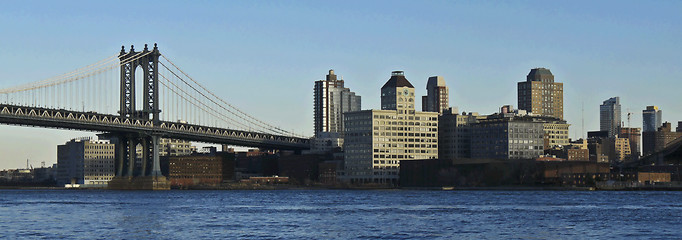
[582,126]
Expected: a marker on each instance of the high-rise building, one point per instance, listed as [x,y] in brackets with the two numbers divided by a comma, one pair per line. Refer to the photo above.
[377,140]
[436,99]
[652,118]
[540,95]
[609,116]
[331,100]
[85,161]
[398,94]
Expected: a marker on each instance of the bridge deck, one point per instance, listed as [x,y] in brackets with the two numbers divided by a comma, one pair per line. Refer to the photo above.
[92,121]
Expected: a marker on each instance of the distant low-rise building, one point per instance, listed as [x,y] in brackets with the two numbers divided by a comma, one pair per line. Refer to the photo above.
[255,162]
[85,161]
[302,169]
[328,171]
[579,144]
[556,133]
[325,142]
[577,155]
[618,149]
[598,153]
[266,180]
[574,151]
[454,134]
[658,140]
[651,177]
[17,176]
[171,147]
[633,135]
[508,135]
[201,169]
[597,134]
[573,172]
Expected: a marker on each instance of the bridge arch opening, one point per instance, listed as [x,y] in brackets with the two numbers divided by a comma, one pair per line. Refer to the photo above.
[139,88]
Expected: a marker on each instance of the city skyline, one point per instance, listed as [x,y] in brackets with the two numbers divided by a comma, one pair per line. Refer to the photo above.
[597,54]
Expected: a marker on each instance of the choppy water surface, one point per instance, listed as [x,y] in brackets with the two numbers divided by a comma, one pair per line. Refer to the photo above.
[339,214]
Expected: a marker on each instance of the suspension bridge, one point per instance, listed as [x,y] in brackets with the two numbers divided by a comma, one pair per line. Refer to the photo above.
[170,104]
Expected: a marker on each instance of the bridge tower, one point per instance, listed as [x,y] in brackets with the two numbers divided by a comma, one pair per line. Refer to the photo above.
[149,62]
[126,153]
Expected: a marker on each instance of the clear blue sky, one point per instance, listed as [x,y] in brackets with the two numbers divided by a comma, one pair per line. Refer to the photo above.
[265,55]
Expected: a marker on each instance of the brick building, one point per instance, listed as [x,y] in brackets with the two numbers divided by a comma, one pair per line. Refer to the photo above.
[201,169]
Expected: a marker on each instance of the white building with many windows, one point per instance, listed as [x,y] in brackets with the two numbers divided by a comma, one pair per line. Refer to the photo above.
[377,140]
[85,161]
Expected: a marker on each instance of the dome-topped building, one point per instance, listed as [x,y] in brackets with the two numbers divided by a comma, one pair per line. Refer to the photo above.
[541,75]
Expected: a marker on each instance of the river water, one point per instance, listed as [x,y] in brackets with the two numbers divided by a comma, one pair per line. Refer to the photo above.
[339,214]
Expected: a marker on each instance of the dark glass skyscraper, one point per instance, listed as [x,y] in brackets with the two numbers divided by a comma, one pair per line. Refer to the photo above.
[651,119]
[609,116]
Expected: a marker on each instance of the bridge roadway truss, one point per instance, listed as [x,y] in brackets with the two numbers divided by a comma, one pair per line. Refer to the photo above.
[670,155]
[89,121]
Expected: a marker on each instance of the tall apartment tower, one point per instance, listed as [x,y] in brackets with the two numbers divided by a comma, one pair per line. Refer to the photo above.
[540,95]
[609,116]
[331,100]
[651,119]
[436,99]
